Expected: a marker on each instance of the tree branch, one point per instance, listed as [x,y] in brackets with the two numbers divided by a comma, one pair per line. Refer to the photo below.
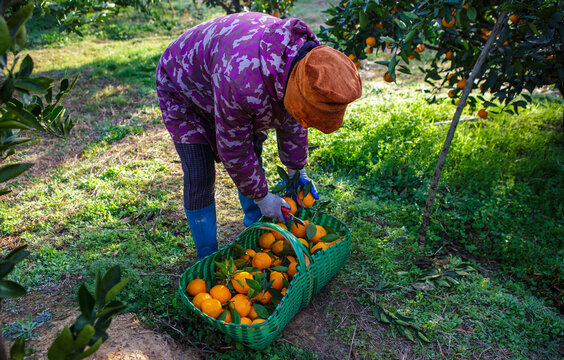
[450,135]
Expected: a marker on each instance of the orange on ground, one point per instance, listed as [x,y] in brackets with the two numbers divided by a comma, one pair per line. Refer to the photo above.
[321,245]
[321,232]
[292,203]
[448,24]
[200,298]
[266,240]
[298,229]
[448,55]
[241,304]
[212,307]
[370,41]
[262,260]
[292,268]
[276,234]
[460,84]
[278,278]
[242,276]
[306,201]
[483,113]
[420,48]
[196,286]
[253,313]
[221,293]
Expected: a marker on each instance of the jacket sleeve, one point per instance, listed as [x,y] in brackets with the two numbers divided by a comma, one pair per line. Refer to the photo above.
[234,139]
[292,144]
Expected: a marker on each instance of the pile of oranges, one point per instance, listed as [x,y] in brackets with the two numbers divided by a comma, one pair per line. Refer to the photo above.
[246,289]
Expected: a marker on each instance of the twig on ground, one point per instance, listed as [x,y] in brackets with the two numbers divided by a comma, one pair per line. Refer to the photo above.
[201,351]
[352,342]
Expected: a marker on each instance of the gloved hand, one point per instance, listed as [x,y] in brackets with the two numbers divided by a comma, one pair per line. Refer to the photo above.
[302,180]
[271,206]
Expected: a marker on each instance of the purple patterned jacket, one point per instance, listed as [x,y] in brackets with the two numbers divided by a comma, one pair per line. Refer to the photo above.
[223,81]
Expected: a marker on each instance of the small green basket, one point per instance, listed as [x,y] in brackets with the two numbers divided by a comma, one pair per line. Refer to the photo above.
[313,273]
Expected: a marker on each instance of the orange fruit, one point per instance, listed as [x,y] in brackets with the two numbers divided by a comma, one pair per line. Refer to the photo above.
[460,84]
[249,253]
[253,313]
[304,241]
[352,57]
[368,50]
[420,48]
[292,269]
[266,240]
[246,321]
[242,276]
[465,6]
[357,64]
[450,76]
[221,293]
[212,307]
[411,57]
[278,247]
[276,14]
[321,232]
[321,245]
[276,234]
[448,24]
[370,41]
[451,94]
[514,18]
[378,26]
[196,286]
[307,201]
[291,258]
[262,260]
[448,55]
[299,230]
[241,304]
[277,261]
[278,278]
[483,113]
[292,203]
[264,297]
[199,299]
[258,321]
[387,77]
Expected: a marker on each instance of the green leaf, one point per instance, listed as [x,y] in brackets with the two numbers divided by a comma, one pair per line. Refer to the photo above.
[311,230]
[377,313]
[20,40]
[116,289]
[276,295]
[471,12]
[261,311]
[362,19]
[17,351]
[235,317]
[280,268]
[86,301]
[253,284]
[99,290]
[409,334]
[283,174]
[422,337]
[384,318]
[83,337]
[18,20]
[5,39]
[223,315]
[5,268]
[8,172]
[24,116]
[10,289]
[17,255]
[91,350]
[62,345]
[388,39]
[330,237]
[111,278]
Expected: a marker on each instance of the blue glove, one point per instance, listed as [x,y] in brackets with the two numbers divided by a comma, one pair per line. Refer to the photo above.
[302,180]
[271,206]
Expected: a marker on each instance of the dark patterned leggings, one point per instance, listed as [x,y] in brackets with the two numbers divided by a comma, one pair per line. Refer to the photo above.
[198,165]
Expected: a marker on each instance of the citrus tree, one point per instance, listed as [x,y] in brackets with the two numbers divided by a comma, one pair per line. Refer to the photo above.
[277,8]
[500,47]
[527,53]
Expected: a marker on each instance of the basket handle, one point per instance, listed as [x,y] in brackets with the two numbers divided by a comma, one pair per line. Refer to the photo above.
[299,248]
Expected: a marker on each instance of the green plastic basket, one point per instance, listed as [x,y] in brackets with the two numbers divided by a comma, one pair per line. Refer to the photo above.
[309,279]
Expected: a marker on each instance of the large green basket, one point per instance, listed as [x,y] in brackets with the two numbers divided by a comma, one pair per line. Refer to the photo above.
[313,273]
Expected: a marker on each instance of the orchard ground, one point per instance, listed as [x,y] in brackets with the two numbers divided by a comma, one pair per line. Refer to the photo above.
[111,194]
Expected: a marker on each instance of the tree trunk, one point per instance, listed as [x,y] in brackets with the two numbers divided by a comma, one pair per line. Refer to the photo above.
[446,146]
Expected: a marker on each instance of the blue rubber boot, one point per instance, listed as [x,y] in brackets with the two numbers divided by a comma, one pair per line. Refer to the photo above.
[203,226]
[251,210]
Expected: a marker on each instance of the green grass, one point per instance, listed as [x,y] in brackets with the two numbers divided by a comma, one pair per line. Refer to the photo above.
[113,196]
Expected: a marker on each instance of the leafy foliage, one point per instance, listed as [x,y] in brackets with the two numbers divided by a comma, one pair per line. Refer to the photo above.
[528,53]
[277,8]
